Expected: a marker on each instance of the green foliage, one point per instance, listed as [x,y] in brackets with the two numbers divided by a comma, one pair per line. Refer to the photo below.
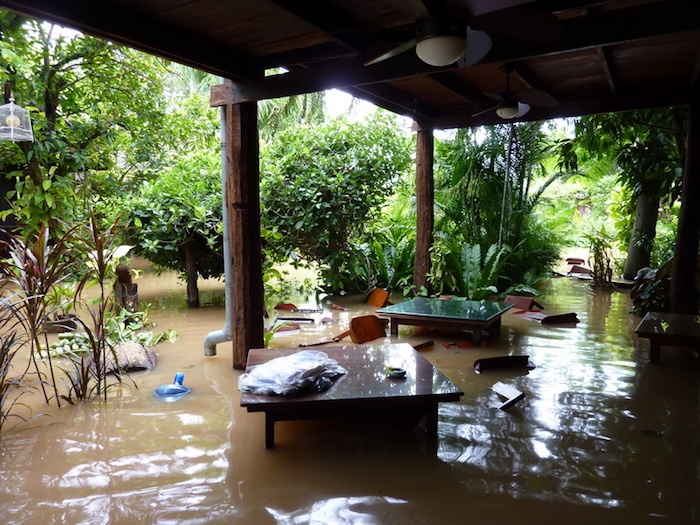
[487,193]
[84,122]
[653,292]
[600,244]
[390,256]
[275,115]
[33,268]
[321,187]
[181,210]
[464,271]
[645,151]
[11,388]
[125,326]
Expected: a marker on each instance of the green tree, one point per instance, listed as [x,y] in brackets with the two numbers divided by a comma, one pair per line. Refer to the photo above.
[175,221]
[88,100]
[322,185]
[647,147]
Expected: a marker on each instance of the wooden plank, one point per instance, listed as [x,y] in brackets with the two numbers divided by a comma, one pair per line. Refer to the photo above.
[425,186]
[684,297]
[245,250]
[512,394]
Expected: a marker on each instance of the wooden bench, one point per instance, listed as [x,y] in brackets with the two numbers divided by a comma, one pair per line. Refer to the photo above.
[669,329]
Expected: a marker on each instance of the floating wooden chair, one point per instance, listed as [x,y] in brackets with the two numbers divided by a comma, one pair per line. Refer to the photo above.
[366,328]
[378,297]
[522,303]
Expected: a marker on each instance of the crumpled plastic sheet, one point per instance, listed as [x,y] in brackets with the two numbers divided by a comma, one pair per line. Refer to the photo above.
[302,372]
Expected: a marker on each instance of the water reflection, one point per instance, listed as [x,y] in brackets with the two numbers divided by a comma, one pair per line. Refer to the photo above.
[601,435]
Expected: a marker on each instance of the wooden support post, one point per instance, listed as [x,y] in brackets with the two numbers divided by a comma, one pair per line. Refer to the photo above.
[684,298]
[242,194]
[425,188]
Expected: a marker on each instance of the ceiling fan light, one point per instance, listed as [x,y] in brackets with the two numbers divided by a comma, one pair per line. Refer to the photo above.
[441,50]
[507,111]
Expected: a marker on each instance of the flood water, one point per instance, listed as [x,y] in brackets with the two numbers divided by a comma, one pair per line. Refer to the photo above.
[601,436]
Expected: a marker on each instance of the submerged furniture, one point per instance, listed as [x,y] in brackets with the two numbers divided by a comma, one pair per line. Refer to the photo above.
[455,314]
[669,329]
[378,297]
[366,328]
[364,391]
[522,302]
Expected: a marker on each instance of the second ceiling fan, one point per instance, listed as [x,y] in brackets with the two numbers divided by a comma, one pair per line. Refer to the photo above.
[514,104]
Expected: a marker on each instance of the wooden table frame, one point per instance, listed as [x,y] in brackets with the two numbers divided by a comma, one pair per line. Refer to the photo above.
[364,391]
[669,329]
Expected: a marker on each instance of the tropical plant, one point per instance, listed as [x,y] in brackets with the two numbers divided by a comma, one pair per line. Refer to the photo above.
[34,268]
[89,375]
[124,326]
[11,386]
[600,245]
[463,271]
[487,190]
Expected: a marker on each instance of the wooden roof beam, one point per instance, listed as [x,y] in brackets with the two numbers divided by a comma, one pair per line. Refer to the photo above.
[462,89]
[582,106]
[394,100]
[119,24]
[579,33]
[605,63]
[327,19]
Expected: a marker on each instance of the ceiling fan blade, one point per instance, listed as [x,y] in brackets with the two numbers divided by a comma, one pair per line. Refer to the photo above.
[536,97]
[392,52]
[532,25]
[484,111]
[478,46]
[522,109]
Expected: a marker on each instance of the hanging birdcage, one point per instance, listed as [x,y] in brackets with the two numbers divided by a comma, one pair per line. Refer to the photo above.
[15,124]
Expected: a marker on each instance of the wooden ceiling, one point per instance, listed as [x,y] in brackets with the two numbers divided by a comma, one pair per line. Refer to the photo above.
[607,55]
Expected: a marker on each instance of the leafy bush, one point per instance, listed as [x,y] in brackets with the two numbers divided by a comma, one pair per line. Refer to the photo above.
[320,188]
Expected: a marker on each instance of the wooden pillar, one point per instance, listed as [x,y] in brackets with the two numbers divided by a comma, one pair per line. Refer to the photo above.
[684,298]
[242,194]
[425,188]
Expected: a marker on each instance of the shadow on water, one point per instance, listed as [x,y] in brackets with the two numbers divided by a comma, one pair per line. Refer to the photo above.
[600,435]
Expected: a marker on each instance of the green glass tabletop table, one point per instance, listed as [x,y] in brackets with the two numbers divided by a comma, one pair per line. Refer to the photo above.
[458,314]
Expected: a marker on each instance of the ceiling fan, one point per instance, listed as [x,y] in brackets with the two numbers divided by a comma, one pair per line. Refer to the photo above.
[444,32]
[514,104]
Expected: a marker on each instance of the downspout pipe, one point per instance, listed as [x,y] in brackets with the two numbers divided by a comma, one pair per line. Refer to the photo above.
[225,334]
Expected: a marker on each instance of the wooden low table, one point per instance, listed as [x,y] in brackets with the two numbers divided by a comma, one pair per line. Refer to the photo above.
[363,391]
[455,314]
[669,329]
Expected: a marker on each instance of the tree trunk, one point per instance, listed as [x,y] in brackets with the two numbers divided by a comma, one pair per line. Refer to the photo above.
[192,275]
[643,234]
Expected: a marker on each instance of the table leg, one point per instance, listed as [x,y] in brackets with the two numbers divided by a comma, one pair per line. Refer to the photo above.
[654,351]
[431,421]
[394,326]
[269,431]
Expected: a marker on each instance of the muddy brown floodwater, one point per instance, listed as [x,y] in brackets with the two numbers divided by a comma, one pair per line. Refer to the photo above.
[602,436]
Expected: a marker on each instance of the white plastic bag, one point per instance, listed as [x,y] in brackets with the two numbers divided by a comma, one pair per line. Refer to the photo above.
[301,372]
